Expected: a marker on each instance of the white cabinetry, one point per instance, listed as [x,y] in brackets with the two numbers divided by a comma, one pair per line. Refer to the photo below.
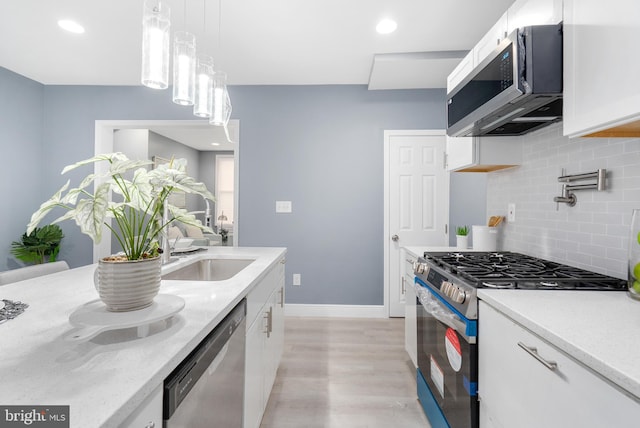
[463,68]
[483,154]
[534,12]
[516,389]
[522,13]
[410,319]
[486,154]
[148,414]
[491,40]
[601,68]
[265,342]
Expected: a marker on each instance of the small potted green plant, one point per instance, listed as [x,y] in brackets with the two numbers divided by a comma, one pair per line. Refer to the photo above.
[42,245]
[462,237]
[138,214]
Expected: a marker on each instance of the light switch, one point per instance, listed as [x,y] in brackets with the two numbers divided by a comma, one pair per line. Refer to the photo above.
[283,206]
[297,279]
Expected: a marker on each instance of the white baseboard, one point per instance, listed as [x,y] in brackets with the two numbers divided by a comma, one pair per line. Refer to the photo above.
[335,311]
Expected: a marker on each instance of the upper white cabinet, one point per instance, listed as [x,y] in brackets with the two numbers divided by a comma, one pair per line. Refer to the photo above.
[525,382]
[534,12]
[491,40]
[463,68]
[601,68]
[522,13]
[486,154]
[483,154]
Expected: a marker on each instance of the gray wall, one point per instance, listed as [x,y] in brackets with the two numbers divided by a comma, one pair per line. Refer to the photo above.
[21,175]
[468,202]
[319,146]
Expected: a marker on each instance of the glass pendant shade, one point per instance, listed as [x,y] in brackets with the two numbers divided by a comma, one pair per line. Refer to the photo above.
[221,101]
[156,25]
[203,105]
[184,68]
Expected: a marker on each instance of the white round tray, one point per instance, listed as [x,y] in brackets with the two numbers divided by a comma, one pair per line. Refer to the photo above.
[93,318]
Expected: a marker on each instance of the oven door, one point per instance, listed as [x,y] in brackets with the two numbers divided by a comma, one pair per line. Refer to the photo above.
[447,362]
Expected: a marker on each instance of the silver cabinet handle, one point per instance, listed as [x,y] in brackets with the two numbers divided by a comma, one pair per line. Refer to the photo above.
[281,297]
[404,291]
[269,317]
[533,351]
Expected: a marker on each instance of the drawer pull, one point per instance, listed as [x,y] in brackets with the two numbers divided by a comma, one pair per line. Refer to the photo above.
[533,351]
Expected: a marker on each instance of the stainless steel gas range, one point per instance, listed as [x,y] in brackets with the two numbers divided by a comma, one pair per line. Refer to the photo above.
[446,288]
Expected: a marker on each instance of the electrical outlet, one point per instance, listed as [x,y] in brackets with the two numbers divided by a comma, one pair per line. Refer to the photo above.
[283,206]
[511,212]
[296,279]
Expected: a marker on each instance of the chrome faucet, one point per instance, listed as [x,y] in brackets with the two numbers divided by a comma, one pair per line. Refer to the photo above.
[164,237]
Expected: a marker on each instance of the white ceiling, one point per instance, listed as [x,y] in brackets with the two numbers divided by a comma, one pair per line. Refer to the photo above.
[262,42]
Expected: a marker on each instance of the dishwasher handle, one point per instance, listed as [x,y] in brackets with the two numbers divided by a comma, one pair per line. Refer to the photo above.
[180,382]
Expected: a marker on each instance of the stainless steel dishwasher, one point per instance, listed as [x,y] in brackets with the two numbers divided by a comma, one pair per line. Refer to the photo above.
[207,388]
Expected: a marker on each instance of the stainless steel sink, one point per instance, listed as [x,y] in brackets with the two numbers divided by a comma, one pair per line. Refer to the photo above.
[209,270]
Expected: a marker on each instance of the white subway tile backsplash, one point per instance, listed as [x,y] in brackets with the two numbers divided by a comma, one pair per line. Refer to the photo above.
[593,234]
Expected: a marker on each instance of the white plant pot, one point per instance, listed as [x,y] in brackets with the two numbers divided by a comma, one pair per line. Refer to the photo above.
[462,242]
[128,285]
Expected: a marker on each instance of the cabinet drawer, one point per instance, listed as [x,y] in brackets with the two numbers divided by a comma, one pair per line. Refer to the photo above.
[516,388]
[259,296]
[408,265]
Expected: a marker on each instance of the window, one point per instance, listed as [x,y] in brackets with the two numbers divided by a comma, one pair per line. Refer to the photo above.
[224,191]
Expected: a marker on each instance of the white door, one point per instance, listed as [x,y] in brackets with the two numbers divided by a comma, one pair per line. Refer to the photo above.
[416,202]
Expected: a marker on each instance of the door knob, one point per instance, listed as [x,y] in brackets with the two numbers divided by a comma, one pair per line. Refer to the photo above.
[395,238]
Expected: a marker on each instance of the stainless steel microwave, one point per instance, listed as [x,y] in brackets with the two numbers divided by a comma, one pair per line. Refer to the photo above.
[517,89]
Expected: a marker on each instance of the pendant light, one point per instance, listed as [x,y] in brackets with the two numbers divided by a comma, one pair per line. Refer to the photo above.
[184,68]
[221,101]
[203,105]
[156,23]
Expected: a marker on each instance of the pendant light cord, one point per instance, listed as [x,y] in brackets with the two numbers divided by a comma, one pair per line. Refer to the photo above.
[220,27]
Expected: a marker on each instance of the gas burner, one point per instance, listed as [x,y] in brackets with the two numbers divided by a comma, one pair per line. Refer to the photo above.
[514,270]
[499,285]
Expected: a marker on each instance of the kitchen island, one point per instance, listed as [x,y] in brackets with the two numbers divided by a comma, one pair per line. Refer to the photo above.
[107,378]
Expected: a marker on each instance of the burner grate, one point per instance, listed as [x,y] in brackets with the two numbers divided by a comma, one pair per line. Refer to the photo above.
[514,270]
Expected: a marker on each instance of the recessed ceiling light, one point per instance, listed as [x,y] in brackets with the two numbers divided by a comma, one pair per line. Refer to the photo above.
[71,26]
[215,144]
[386,26]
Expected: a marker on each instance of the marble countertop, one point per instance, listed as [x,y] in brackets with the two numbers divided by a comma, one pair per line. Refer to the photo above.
[597,328]
[103,380]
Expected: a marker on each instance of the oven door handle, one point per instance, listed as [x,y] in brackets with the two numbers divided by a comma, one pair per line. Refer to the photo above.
[434,308]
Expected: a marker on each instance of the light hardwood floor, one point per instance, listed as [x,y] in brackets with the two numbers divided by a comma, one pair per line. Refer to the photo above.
[347,373]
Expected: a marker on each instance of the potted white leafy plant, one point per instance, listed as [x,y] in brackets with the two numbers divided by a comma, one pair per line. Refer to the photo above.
[137,215]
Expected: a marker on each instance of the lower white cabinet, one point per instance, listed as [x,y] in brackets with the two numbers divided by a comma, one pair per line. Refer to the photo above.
[525,381]
[264,343]
[148,414]
[410,319]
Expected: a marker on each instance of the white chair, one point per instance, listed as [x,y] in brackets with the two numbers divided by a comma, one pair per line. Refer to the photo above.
[28,272]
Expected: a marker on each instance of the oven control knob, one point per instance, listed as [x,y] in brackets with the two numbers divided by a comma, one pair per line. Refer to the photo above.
[459,296]
[421,268]
[446,287]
